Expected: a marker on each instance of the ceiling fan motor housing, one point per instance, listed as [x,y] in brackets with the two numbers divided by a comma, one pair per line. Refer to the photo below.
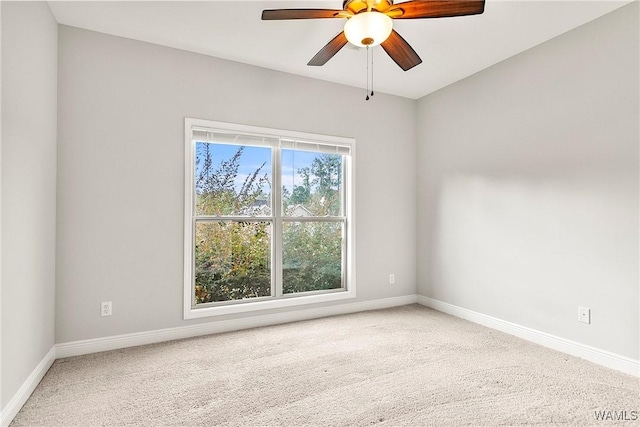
[357,6]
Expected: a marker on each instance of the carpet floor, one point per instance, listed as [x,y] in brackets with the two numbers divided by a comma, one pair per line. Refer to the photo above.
[405,366]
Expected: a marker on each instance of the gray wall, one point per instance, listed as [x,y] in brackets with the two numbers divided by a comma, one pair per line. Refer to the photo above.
[29,88]
[120,181]
[528,187]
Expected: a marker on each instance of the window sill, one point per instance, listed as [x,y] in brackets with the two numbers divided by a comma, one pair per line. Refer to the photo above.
[197,313]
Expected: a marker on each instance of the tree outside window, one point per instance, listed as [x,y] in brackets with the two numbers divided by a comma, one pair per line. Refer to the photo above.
[239,237]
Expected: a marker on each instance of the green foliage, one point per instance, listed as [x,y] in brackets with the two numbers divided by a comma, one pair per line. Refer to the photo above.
[215,188]
[312,251]
[232,258]
[311,256]
[320,188]
[300,195]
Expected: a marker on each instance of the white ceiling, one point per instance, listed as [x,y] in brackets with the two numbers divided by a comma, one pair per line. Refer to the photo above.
[451,48]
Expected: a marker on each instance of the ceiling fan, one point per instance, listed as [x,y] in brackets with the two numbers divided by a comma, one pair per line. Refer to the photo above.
[370,23]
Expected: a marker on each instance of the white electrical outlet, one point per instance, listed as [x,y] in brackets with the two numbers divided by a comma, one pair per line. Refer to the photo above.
[105,308]
[584,315]
[392,279]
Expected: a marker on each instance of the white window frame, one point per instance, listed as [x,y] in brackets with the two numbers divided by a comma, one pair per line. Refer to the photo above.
[349,268]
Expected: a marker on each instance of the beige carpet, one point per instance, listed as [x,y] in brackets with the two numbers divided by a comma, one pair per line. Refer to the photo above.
[405,366]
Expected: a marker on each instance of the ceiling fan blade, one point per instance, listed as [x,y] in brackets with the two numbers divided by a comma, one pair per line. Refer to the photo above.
[330,49]
[277,14]
[400,51]
[435,8]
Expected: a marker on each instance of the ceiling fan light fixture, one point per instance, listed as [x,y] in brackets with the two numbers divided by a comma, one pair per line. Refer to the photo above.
[368,28]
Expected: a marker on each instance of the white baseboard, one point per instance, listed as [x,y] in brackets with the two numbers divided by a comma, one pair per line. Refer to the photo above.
[23,393]
[76,348]
[592,354]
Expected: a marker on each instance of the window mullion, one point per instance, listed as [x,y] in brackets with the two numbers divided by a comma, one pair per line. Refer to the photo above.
[276,208]
[314,218]
[345,224]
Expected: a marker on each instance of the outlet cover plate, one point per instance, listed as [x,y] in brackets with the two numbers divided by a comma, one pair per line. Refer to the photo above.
[584,315]
[105,308]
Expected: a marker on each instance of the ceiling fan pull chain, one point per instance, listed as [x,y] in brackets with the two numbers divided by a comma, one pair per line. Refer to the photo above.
[367,98]
[371,72]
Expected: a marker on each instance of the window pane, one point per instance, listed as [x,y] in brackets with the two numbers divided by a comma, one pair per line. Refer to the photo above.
[312,256]
[312,183]
[232,260]
[232,180]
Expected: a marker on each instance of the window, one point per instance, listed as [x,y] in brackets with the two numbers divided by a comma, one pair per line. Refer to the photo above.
[268,218]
